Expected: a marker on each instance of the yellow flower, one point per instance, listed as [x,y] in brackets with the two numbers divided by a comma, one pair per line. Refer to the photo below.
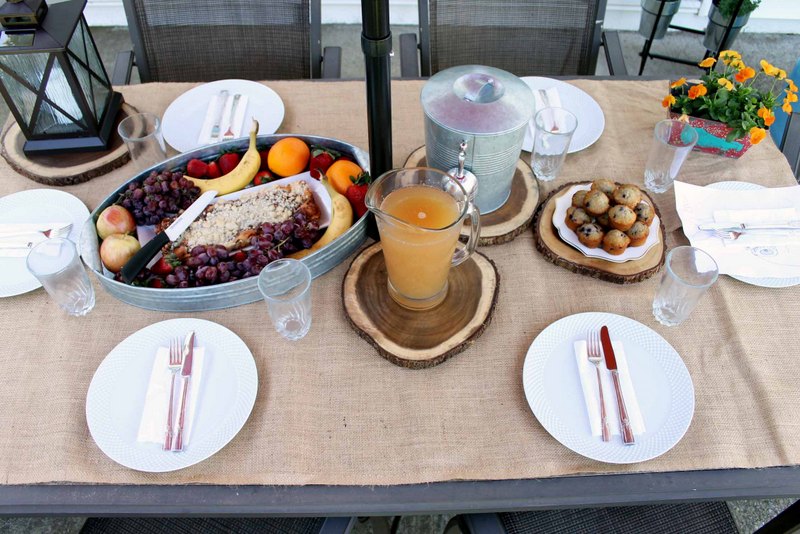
[790,97]
[767,115]
[769,70]
[781,74]
[677,83]
[745,74]
[737,64]
[757,134]
[729,55]
[696,91]
[792,86]
[726,83]
[787,107]
[707,62]
[668,101]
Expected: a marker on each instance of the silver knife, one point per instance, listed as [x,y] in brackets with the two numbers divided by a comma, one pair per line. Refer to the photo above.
[222,98]
[742,227]
[186,374]
[611,364]
[172,233]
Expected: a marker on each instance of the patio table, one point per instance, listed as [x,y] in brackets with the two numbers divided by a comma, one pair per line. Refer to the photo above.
[336,429]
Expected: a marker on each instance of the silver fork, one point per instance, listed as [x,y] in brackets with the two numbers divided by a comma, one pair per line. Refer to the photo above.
[49,233]
[175,362]
[229,133]
[595,356]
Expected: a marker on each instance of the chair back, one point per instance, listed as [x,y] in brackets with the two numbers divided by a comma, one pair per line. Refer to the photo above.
[781,124]
[525,37]
[207,40]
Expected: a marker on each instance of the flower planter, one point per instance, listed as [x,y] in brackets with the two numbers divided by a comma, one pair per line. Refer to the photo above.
[650,14]
[715,29]
[711,137]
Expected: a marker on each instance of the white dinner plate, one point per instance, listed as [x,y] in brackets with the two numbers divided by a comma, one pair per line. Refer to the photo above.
[571,238]
[117,391]
[756,281]
[184,117]
[36,206]
[662,383]
[591,121]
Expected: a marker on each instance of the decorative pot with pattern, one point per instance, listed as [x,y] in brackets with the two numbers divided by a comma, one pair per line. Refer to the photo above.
[711,136]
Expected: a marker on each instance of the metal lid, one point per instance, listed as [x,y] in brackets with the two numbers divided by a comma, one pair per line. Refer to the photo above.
[477,100]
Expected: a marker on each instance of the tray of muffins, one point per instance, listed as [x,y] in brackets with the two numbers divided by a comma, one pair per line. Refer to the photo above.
[602,228]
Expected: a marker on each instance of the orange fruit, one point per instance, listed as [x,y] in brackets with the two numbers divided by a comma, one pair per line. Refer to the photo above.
[288,157]
[340,172]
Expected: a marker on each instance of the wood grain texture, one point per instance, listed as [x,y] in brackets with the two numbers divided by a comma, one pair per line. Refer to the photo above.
[512,218]
[64,169]
[564,255]
[419,339]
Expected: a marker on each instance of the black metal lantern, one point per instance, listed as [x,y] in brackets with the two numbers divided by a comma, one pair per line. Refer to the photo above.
[52,78]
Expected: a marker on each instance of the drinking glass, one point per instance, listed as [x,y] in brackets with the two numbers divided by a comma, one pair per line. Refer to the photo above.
[688,274]
[56,264]
[142,136]
[286,287]
[420,213]
[552,134]
[672,142]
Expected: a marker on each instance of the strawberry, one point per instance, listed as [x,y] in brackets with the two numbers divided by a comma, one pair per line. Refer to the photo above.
[263,177]
[228,162]
[196,168]
[164,265]
[357,192]
[213,170]
[239,255]
[264,155]
[321,159]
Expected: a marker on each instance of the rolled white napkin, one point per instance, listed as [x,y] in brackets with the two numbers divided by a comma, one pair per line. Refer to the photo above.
[212,112]
[153,424]
[758,238]
[591,395]
[544,99]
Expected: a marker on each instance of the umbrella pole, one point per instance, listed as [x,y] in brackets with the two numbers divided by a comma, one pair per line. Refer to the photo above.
[376,42]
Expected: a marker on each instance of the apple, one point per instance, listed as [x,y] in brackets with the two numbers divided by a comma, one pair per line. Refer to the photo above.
[115,220]
[117,249]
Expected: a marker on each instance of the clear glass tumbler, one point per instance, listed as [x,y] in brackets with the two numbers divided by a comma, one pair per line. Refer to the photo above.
[286,287]
[672,142]
[56,264]
[688,274]
[142,136]
[552,134]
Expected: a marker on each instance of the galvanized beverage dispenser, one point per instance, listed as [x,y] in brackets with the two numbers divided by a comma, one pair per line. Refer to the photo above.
[486,108]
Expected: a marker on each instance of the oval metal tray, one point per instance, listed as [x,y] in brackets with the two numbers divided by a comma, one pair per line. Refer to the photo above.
[229,294]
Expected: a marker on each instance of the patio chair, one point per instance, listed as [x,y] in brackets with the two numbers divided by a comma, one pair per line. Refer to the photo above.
[207,40]
[172,525]
[525,37]
[785,130]
[698,518]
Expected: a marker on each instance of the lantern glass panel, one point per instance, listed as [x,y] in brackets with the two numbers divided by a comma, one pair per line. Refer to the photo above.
[69,119]
[88,68]
[30,68]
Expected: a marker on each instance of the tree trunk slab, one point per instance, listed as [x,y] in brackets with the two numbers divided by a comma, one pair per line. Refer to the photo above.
[512,218]
[419,339]
[65,169]
[565,255]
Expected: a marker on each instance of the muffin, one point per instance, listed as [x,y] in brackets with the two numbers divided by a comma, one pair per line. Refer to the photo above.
[596,202]
[576,217]
[627,195]
[621,217]
[644,212]
[603,221]
[615,242]
[578,198]
[590,235]
[605,185]
[638,233]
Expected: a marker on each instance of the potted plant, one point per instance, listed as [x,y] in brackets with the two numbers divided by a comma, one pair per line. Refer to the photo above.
[728,110]
[719,16]
[650,14]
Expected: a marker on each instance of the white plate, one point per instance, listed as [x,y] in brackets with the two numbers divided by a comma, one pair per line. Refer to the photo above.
[184,117]
[36,206]
[591,120]
[663,387]
[761,282]
[571,238]
[116,395]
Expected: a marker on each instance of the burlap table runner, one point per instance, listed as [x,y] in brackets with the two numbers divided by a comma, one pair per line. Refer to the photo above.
[331,411]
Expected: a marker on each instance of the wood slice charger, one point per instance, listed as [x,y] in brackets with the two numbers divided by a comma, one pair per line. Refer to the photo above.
[512,218]
[419,339]
[65,169]
[564,255]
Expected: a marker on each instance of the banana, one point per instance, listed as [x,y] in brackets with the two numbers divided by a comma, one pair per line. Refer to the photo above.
[341,220]
[240,176]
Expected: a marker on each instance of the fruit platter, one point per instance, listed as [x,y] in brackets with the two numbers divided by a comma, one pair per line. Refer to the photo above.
[280,195]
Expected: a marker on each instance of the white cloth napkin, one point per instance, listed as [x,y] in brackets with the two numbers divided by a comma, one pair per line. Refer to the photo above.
[552,100]
[212,112]
[153,424]
[758,254]
[591,394]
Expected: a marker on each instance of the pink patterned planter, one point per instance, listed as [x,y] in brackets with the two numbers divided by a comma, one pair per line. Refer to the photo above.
[711,138]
